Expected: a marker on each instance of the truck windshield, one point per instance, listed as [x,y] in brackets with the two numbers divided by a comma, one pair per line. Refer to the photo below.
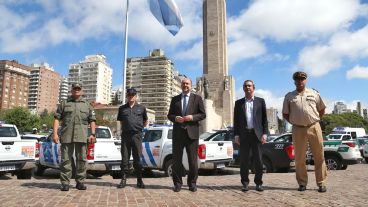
[334,136]
[8,132]
[101,133]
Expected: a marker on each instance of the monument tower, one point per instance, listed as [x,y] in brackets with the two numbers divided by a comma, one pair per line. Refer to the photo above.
[216,86]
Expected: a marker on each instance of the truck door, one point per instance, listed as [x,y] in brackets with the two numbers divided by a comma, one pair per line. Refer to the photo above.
[151,148]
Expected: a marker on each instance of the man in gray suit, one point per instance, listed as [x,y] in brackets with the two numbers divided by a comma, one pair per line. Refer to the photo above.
[250,130]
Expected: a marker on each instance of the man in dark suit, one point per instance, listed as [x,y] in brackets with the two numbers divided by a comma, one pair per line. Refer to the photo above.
[186,110]
[250,129]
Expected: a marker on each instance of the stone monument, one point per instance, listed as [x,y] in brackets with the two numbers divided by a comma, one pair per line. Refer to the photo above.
[216,86]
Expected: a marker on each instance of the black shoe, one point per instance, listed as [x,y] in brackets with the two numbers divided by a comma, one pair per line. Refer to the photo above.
[302,188]
[177,188]
[259,188]
[140,183]
[322,189]
[64,187]
[122,183]
[81,186]
[245,188]
[193,188]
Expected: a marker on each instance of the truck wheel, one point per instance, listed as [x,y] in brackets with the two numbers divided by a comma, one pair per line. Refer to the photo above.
[344,167]
[333,163]
[97,174]
[39,170]
[366,160]
[116,175]
[24,174]
[267,166]
[168,167]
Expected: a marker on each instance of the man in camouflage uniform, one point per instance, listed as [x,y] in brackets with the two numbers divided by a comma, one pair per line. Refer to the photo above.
[304,108]
[75,114]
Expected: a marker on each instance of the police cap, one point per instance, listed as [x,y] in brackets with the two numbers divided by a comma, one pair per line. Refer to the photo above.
[299,75]
[76,85]
[131,91]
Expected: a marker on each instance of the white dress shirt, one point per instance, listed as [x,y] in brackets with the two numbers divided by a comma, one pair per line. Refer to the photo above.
[249,112]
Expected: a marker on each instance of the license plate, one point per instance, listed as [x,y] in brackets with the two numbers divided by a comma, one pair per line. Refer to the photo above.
[115,167]
[220,165]
[6,168]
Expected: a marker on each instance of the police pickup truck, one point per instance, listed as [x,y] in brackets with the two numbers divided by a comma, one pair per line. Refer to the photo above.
[157,151]
[16,156]
[102,157]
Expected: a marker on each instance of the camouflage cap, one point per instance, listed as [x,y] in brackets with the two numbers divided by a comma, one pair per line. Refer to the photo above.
[299,75]
[131,91]
[76,85]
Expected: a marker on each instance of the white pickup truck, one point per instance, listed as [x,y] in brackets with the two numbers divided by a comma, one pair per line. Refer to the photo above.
[157,151]
[102,157]
[16,156]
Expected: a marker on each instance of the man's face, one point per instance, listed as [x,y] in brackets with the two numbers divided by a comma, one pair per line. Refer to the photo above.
[76,92]
[300,83]
[131,97]
[186,85]
[248,88]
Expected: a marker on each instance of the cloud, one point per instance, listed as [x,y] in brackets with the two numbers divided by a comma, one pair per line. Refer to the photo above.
[303,19]
[66,21]
[245,48]
[319,60]
[357,72]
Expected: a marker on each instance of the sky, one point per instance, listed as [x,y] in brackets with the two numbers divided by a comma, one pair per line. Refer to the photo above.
[268,40]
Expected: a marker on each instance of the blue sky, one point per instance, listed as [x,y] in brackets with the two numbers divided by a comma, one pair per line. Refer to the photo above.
[267,41]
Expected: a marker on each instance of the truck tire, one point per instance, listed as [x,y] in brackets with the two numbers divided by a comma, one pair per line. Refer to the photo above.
[168,167]
[344,167]
[39,170]
[366,160]
[116,175]
[97,174]
[333,162]
[267,166]
[24,174]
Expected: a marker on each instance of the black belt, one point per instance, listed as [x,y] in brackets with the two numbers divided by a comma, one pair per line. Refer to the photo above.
[249,130]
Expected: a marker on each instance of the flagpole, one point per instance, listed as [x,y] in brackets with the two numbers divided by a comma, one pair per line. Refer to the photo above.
[125,51]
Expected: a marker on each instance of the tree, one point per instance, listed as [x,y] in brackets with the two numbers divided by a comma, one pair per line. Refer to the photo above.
[330,121]
[22,118]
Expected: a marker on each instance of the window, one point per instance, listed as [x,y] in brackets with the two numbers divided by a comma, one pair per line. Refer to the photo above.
[285,138]
[152,135]
[8,132]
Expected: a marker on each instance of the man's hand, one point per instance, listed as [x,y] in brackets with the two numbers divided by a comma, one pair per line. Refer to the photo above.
[55,138]
[188,118]
[91,139]
[237,139]
[264,139]
[179,119]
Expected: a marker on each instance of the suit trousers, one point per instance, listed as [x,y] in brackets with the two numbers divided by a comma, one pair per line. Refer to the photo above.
[191,147]
[131,143]
[301,137]
[67,152]
[250,144]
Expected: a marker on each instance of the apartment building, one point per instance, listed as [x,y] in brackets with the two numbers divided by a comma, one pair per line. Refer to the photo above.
[63,89]
[156,81]
[95,75]
[14,84]
[43,88]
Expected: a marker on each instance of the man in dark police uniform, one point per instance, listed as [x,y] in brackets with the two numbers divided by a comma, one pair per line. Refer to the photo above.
[133,118]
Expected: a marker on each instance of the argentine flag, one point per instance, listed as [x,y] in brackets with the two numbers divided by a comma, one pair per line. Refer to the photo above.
[167,13]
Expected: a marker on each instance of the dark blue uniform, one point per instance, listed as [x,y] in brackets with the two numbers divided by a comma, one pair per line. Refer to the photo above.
[132,123]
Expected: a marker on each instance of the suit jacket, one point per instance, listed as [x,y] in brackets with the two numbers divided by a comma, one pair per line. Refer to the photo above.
[260,123]
[195,108]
